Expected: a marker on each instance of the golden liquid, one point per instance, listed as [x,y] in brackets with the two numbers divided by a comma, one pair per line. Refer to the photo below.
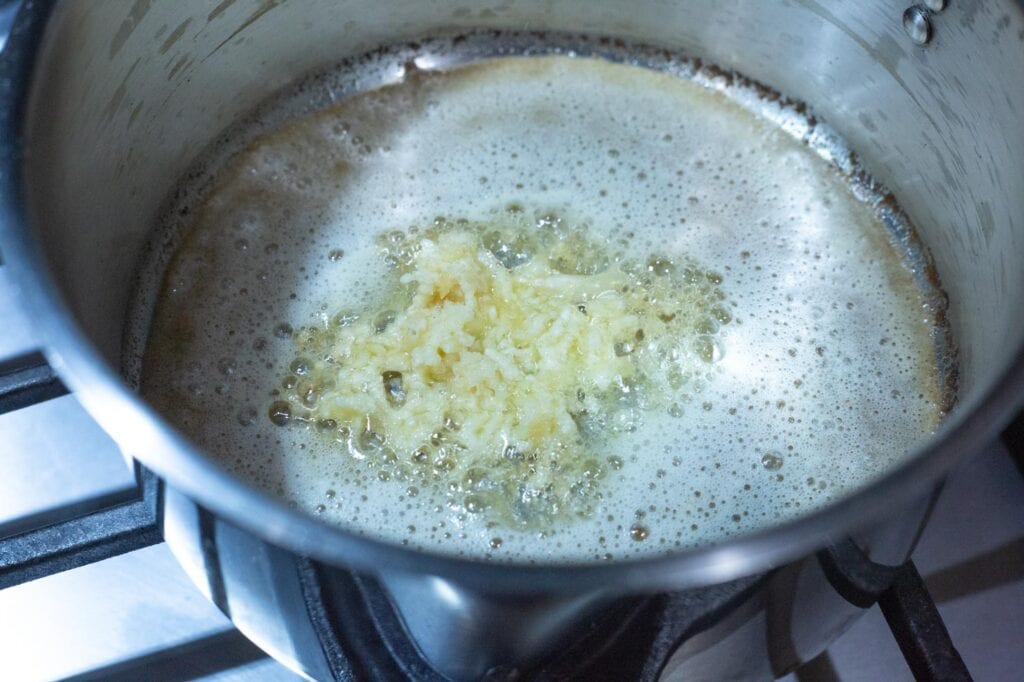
[800,362]
[507,358]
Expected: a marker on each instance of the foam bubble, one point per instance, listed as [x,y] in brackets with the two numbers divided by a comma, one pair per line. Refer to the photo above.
[820,356]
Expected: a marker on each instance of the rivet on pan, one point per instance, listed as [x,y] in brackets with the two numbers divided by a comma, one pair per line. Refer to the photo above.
[917,24]
[936,5]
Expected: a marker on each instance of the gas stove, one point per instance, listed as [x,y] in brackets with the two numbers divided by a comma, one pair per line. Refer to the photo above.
[88,590]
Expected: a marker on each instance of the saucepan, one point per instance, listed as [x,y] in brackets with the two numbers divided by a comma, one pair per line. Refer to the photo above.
[104,104]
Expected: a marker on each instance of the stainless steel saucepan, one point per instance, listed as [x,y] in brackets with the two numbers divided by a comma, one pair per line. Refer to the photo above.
[104,104]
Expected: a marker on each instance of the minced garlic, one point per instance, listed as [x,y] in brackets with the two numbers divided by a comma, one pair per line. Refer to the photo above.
[507,357]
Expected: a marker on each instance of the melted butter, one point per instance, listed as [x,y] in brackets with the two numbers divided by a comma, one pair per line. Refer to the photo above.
[512,356]
[299,252]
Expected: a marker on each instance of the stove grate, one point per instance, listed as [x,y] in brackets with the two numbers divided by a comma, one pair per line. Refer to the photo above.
[373,641]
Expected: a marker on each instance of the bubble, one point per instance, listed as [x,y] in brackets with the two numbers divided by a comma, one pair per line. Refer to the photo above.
[309,397]
[280,412]
[326,425]
[623,348]
[383,321]
[344,319]
[660,266]
[638,532]
[772,461]
[394,389]
[708,348]
[283,330]
[335,255]
[247,416]
[226,366]
[474,504]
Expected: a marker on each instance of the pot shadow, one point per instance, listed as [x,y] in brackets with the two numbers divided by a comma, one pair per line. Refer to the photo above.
[1000,566]
[818,669]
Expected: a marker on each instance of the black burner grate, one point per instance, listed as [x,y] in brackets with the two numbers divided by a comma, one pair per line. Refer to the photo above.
[373,644]
[77,534]
[1013,439]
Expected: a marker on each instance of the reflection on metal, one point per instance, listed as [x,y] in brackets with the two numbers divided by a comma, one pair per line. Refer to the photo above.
[56,463]
[464,633]
[17,339]
[101,615]
[917,24]
[8,8]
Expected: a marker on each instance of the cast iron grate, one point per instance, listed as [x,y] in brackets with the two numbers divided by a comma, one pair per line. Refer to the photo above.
[373,644]
[77,534]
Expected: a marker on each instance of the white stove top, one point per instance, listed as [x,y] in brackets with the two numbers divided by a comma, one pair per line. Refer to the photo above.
[136,616]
